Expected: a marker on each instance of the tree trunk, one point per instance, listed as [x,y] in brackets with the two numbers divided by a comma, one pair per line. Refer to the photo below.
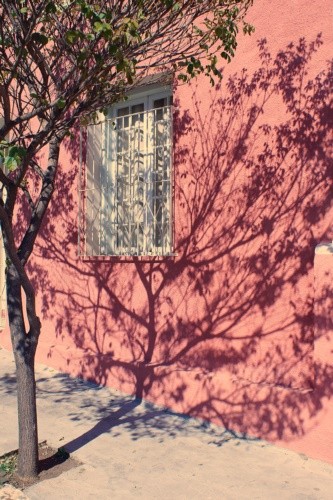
[27,418]
[25,342]
[24,348]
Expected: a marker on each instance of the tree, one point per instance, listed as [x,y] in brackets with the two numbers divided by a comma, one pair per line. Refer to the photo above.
[60,62]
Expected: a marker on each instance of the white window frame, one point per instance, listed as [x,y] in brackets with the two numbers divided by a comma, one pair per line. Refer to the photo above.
[104,224]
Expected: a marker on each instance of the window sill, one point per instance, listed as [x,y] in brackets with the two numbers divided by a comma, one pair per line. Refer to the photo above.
[127,258]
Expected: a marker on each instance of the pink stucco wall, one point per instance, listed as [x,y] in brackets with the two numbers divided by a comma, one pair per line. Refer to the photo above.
[226,330]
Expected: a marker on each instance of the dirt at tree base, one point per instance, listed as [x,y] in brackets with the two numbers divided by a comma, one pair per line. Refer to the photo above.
[52,463]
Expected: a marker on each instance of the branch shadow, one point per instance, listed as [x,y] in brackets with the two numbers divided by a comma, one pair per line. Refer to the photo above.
[103,426]
[106,411]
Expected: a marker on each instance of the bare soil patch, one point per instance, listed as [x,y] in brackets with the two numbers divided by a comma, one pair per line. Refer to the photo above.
[52,463]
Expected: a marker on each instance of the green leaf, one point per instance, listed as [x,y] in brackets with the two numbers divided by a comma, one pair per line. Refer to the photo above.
[182,77]
[51,8]
[10,163]
[248,29]
[100,26]
[61,103]
[72,36]
[220,32]
[82,56]
[226,56]
[120,65]
[113,49]
[40,38]
[190,68]
[17,152]
[98,58]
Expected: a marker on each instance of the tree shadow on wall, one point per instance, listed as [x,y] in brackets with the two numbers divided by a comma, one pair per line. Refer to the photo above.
[224,330]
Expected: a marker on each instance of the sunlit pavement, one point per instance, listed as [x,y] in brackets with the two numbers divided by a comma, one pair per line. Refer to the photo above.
[130,450]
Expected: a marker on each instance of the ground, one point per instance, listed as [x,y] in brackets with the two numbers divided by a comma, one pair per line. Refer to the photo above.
[129,450]
[52,463]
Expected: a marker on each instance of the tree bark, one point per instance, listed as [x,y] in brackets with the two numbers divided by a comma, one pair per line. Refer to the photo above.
[24,347]
[25,342]
[27,417]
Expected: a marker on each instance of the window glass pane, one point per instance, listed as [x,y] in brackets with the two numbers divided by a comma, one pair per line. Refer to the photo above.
[159,105]
[123,112]
[137,113]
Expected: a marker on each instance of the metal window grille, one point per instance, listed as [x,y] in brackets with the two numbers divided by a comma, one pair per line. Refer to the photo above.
[126,199]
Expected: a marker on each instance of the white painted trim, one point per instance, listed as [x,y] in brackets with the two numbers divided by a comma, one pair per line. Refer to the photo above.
[324,248]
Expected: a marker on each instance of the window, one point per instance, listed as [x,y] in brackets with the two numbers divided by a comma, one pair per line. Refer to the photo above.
[127,193]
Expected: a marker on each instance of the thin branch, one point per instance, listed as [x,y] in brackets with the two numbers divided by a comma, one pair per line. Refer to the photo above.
[28,196]
[42,203]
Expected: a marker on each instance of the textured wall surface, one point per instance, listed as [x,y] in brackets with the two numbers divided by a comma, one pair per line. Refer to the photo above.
[226,330]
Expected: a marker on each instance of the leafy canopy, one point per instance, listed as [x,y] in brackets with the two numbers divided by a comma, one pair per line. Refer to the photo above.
[63,60]
[62,55]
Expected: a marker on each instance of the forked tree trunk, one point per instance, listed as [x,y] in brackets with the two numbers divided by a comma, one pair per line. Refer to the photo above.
[25,342]
[24,347]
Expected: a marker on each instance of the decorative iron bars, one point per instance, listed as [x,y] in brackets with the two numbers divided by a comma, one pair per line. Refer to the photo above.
[126,192]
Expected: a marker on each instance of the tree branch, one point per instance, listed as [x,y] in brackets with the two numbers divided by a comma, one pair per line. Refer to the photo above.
[25,282]
[41,205]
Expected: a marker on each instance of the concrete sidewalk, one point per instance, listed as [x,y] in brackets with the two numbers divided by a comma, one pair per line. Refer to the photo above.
[143,451]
